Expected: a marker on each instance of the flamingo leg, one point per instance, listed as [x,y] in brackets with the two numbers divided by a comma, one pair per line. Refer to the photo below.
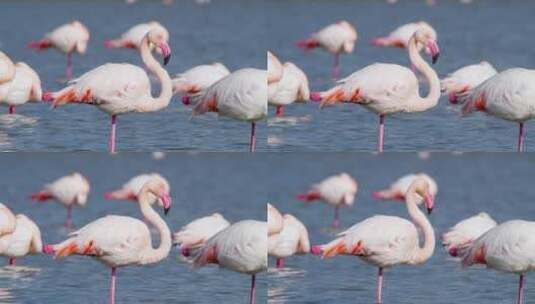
[252,298]
[68,69]
[336,66]
[379,291]
[68,221]
[12,261]
[520,296]
[111,144]
[280,262]
[11,110]
[521,137]
[280,111]
[336,220]
[112,284]
[381,139]
[252,144]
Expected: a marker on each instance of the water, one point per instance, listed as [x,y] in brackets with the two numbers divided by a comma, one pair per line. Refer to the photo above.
[198,34]
[497,183]
[199,187]
[491,30]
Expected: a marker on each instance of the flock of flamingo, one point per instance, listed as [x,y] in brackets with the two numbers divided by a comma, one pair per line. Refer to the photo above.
[119,241]
[386,241]
[120,88]
[387,89]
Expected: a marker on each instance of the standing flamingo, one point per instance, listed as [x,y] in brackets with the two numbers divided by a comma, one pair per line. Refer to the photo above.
[338,191]
[193,235]
[293,87]
[194,82]
[401,36]
[68,38]
[386,241]
[242,95]
[465,79]
[119,241]
[508,247]
[389,88]
[509,95]
[241,247]
[337,38]
[23,87]
[291,240]
[121,88]
[397,189]
[464,233]
[68,190]
[131,189]
[24,240]
[133,37]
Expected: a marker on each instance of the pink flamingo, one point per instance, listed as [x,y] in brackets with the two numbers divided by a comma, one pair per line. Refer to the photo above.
[193,82]
[337,190]
[291,240]
[465,79]
[386,241]
[401,36]
[133,37]
[464,233]
[68,190]
[337,38]
[389,88]
[241,247]
[68,38]
[242,95]
[507,95]
[24,86]
[293,87]
[119,241]
[24,240]
[397,190]
[275,224]
[508,247]
[131,189]
[193,235]
[121,88]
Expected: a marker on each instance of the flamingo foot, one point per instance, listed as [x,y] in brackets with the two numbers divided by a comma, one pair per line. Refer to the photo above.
[12,261]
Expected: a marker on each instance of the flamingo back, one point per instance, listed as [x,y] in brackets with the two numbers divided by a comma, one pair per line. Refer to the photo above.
[338,190]
[336,38]
[466,231]
[194,234]
[292,87]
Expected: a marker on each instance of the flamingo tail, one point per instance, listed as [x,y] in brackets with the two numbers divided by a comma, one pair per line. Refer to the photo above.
[41,196]
[207,255]
[307,44]
[309,196]
[40,44]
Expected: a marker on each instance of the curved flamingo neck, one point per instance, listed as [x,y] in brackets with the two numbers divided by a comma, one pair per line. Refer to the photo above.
[154,66]
[421,254]
[153,255]
[424,103]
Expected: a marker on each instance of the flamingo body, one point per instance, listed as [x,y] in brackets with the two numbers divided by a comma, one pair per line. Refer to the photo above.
[24,240]
[292,239]
[335,38]
[133,37]
[67,38]
[7,68]
[401,36]
[293,86]
[131,189]
[23,87]
[68,190]
[336,190]
[196,233]
[398,189]
[461,236]
[7,220]
[466,78]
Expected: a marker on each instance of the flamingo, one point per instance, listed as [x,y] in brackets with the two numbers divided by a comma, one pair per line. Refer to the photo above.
[274,219]
[293,87]
[292,239]
[241,247]
[509,95]
[242,95]
[401,36]
[337,190]
[275,71]
[8,221]
[337,38]
[193,235]
[121,88]
[7,68]
[386,241]
[133,37]
[119,241]
[193,82]
[465,79]
[131,189]
[389,88]
[69,190]
[397,189]
[23,87]
[508,247]
[464,233]
[68,38]
[25,239]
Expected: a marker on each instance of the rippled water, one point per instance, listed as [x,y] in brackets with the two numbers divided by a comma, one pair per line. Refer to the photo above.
[491,30]
[198,34]
[199,187]
[500,184]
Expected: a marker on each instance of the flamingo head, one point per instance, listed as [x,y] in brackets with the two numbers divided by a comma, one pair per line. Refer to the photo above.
[158,38]
[426,36]
[159,189]
[422,189]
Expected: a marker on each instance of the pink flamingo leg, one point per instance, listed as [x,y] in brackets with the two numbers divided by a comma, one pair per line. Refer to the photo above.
[252,299]
[520,296]
[12,261]
[379,292]
[68,222]
[336,220]
[252,144]
[11,109]
[68,69]
[521,137]
[280,262]
[111,144]
[280,111]
[336,66]
[381,140]
[112,285]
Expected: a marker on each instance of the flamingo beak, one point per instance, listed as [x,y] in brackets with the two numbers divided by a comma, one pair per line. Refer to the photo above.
[433,48]
[166,201]
[166,52]
[429,202]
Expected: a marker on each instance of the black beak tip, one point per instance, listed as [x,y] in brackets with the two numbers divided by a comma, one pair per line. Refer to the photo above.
[429,210]
[166,59]
[435,58]
[166,210]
